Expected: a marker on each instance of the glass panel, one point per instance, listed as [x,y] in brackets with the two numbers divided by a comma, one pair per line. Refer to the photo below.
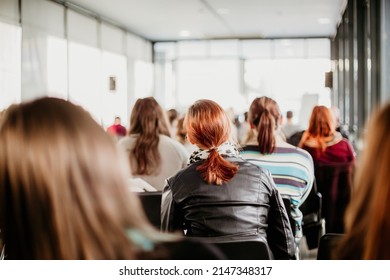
[217,79]
[10,61]
[288,81]
[85,84]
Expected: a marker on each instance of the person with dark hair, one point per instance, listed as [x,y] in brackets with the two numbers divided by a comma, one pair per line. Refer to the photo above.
[289,128]
[221,196]
[117,130]
[153,155]
[367,220]
[291,167]
[64,195]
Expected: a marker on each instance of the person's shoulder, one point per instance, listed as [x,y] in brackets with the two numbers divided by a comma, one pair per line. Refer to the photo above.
[175,145]
[127,140]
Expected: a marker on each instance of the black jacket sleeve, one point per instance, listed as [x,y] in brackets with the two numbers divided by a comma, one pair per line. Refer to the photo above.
[170,216]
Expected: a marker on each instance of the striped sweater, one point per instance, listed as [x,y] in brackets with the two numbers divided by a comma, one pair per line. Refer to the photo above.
[293,172]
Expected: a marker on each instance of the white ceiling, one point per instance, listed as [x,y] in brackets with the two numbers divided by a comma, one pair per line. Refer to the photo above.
[164,20]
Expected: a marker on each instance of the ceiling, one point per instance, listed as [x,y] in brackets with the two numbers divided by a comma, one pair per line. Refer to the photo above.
[171,20]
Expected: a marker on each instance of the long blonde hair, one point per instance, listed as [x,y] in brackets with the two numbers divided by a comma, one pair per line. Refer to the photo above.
[63,188]
[367,220]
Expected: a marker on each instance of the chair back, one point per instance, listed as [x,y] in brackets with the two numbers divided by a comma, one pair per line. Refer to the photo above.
[287,205]
[328,243]
[334,181]
[244,250]
[312,223]
[151,203]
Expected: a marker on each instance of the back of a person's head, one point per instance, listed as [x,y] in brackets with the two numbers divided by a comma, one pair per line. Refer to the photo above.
[147,121]
[367,220]
[181,131]
[173,115]
[264,116]
[62,186]
[321,125]
[148,118]
[208,127]
[289,114]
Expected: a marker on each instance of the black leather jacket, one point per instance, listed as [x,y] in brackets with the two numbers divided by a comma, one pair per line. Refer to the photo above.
[248,207]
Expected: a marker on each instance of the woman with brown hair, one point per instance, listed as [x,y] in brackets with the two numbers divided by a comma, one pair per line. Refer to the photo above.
[291,167]
[220,195]
[153,155]
[63,192]
[367,220]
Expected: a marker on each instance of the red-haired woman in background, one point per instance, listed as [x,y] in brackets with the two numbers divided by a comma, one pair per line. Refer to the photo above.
[322,140]
[333,158]
[220,195]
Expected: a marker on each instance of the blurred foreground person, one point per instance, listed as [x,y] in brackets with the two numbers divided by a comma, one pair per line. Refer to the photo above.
[63,189]
[221,196]
[367,220]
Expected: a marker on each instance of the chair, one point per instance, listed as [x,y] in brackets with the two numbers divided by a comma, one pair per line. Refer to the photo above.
[313,224]
[244,250]
[334,181]
[151,203]
[328,243]
[2,253]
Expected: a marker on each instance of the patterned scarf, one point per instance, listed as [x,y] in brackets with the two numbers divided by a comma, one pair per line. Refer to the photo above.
[226,149]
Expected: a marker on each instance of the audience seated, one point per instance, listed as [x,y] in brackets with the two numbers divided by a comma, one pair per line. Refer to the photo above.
[333,158]
[289,128]
[153,155]
[220,196]
[64,195]
[181,135]
[291,167]
[117,130]
[367,220]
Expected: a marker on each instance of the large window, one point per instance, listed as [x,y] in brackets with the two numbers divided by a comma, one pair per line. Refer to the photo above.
[233,72]
[10,48]
[296,84]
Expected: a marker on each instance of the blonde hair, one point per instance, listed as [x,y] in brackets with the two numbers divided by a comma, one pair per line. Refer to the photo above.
[63,188]
[367,220]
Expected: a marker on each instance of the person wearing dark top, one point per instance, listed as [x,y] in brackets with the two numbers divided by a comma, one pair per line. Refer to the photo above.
[220,196]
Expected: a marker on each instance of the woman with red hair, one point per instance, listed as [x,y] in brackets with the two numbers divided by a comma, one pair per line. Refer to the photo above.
[333,158]
[322,140]
[221,196]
